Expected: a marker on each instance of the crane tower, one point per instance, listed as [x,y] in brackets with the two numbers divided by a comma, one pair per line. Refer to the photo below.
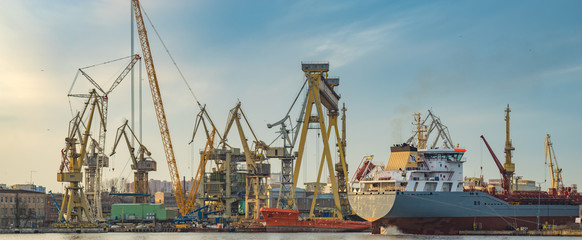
[508,166]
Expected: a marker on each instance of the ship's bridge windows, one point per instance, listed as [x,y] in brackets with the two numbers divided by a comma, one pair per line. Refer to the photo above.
[454,157]
[451,157]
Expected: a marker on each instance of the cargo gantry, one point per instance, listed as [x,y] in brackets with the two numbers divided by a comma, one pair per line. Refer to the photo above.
[321,94]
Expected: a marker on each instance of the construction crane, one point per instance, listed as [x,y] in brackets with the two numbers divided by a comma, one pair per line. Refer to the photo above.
[185,203]
[96,162]
[142,162]
[75,208]
[256,179]
[199,177]
[505,185]
[159,108]
[555,171]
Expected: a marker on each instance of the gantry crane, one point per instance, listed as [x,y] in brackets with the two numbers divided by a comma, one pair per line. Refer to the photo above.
[321,93]
[99,160]
[142,162]
[256,179]
[555,171]
[75,209]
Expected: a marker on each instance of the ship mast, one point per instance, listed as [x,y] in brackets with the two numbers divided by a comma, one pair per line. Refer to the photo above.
[509,166]
[420,130]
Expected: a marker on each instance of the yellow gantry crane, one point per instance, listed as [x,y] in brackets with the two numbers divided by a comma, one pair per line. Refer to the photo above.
[321,93]
[142,162]
[555,171]
[75,209]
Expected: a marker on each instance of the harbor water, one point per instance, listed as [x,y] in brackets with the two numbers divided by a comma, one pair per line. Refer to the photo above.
[257,236]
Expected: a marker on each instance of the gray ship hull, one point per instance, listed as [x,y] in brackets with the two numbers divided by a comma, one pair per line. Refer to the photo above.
[450,212]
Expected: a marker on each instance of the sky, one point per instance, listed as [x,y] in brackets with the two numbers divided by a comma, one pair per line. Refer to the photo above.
[463,60]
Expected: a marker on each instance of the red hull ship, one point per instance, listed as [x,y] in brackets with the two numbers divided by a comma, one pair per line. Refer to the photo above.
[287,220]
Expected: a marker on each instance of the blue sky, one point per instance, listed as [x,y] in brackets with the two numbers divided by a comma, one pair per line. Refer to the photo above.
[464,60]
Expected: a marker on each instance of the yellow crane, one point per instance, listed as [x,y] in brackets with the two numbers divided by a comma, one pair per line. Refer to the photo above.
[508,165]
[256,182]
[555,171]
[142,162]
[321,94]
[75,209]
[200,172]
[96,162]
[185,203]
[159,108]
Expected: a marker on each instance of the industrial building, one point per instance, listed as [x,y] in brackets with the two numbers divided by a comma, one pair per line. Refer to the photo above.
[140,212]
[22,208]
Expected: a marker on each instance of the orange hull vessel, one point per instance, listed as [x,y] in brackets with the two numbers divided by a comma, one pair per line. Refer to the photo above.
[287,220]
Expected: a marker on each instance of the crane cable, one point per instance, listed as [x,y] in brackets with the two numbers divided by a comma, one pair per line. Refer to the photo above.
[171,57]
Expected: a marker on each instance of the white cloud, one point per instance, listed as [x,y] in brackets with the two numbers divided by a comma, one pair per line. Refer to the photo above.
[349,43]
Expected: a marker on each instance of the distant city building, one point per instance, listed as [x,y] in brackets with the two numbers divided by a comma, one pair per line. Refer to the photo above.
[51,210]
[21,208]
[160,186]
[29,187]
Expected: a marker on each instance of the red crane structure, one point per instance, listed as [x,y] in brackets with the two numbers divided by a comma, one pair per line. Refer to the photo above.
[504,173]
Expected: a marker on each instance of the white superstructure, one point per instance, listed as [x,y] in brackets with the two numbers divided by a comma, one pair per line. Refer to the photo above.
[429,170]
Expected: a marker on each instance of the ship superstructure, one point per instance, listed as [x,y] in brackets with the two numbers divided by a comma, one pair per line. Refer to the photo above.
[431,170]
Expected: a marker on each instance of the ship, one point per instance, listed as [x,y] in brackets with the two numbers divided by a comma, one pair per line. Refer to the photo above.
[287,220]
[428,197]
[421,191]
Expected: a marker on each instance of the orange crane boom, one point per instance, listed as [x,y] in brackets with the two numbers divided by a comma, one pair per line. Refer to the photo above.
[159,107]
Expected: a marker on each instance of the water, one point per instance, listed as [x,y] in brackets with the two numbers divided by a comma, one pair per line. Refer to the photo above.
[257,236]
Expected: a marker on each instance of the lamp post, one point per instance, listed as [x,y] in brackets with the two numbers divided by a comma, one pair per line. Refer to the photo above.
[539,201]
